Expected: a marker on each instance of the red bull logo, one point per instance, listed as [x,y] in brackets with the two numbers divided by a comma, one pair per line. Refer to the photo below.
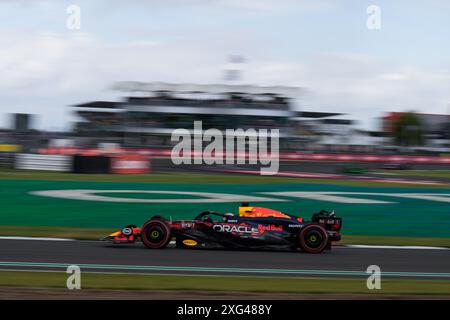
[270,227]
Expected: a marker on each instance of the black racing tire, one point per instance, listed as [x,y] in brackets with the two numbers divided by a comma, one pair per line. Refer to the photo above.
[155,234]
[313,238]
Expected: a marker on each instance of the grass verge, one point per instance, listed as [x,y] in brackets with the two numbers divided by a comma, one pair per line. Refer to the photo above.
[97,233]
[177,177]
[223,283]
[419,173]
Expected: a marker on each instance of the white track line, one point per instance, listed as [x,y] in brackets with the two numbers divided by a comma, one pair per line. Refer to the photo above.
[349,246]
[36,238]
[141,268]
[363,246]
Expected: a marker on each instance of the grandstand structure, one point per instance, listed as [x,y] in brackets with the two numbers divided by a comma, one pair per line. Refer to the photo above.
[150,112]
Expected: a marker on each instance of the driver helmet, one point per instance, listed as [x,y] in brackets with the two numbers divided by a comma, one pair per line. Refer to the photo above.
[227,215]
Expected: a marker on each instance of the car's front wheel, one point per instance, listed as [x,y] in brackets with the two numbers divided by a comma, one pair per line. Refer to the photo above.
[155,234]
[313,239]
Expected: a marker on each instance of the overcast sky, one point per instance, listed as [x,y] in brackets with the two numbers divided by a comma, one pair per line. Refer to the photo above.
[321,45]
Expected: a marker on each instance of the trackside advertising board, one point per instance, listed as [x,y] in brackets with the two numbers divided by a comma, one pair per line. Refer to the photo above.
[130,164]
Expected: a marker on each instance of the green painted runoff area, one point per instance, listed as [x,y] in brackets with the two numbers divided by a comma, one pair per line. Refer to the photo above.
[407,217]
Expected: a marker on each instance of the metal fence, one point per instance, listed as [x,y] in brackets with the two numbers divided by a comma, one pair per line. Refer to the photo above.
[28,161]
[6,160]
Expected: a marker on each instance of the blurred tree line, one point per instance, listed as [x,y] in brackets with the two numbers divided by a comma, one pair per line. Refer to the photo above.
[408,130]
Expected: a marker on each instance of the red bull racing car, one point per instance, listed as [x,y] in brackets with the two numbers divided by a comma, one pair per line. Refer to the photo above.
[252,228]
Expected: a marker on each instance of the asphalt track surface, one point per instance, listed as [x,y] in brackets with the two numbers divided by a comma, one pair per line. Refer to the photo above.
[96,256]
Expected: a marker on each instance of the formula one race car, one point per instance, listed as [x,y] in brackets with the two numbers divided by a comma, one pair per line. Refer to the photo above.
[253,228]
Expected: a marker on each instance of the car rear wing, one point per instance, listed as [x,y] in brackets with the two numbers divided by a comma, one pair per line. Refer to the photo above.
[328,220]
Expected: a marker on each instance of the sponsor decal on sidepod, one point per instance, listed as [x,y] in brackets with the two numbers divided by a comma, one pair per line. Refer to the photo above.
[246,229]
[190,242]
[231,228]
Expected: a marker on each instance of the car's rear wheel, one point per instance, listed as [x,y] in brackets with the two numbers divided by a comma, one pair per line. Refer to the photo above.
[313,239]
[155,234]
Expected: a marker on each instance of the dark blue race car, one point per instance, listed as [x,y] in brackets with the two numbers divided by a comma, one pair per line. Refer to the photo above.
[252,228]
